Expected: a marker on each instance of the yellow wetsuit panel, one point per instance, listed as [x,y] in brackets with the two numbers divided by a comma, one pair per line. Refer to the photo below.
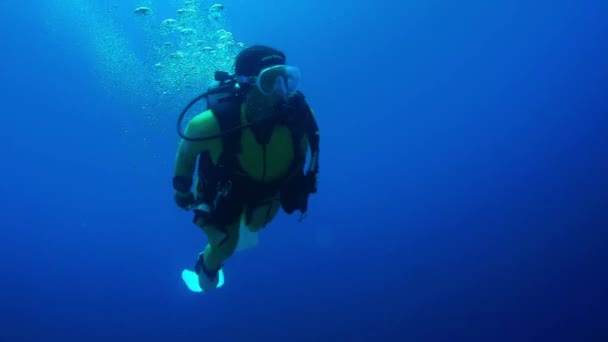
[270,162]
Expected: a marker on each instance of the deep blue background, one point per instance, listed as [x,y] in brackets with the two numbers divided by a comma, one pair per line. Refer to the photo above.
[463,191]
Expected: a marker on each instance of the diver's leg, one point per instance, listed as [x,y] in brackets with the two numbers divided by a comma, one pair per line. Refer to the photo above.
[255,218]
[262,214]
[220,246]
[221,241]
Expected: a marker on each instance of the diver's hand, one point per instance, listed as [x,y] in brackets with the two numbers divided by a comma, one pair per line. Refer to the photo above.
[184,200]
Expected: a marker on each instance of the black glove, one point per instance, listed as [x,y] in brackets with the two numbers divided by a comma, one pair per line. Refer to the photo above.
[184,200]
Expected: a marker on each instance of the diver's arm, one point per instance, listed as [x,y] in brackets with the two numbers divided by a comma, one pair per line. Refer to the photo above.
[187,154]
[313,168]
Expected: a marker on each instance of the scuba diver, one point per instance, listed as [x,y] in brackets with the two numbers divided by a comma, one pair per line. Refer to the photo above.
[249,149]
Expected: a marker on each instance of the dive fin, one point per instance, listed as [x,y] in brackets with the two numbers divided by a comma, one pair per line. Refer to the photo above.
[191,280]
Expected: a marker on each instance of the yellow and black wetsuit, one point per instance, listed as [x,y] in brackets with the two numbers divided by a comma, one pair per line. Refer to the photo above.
[262,164]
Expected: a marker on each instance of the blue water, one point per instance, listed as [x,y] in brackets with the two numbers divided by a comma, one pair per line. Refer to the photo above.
[462,196]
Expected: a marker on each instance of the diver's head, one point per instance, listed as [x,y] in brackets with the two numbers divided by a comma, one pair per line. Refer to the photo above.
[262,71]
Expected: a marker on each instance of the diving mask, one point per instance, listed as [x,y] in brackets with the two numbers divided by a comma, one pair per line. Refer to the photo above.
[281,80]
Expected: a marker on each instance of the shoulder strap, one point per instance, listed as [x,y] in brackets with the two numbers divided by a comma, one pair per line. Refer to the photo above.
[228,116]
